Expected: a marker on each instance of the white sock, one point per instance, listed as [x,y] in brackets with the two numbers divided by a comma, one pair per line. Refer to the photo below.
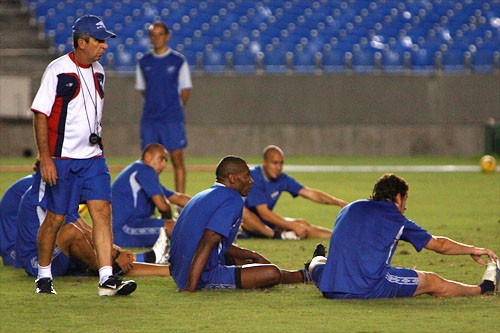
[44,272]
[104,273]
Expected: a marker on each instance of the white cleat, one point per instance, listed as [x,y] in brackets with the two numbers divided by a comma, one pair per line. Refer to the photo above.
[492,273]
[289,235]
[161,247]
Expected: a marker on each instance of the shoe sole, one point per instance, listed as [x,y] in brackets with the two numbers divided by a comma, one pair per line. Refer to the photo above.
[126,289]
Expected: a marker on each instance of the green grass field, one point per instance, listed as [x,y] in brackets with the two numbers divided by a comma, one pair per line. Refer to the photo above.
[463,206]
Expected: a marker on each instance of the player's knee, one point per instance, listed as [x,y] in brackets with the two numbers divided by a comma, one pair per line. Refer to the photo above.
[433,284]
[273,274]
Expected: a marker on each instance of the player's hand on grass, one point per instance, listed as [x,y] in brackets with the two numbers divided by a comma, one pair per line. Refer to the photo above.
[125,260]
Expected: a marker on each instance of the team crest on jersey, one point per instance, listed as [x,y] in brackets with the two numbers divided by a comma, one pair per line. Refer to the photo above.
[171,69]
[100,84]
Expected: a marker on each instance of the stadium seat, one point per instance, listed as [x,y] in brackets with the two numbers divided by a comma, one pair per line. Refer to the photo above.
[400,25]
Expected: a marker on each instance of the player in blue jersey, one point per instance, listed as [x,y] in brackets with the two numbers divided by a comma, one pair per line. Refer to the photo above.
[136,192]
[269,182]
[8,218]
[164,79]
[74,253]
[204,234]
[365,238]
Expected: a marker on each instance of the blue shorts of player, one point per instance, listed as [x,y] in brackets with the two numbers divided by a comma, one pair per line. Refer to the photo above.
[77,181]
[61,265]
[171,135]
[221,277]
[398,282]
[139,232]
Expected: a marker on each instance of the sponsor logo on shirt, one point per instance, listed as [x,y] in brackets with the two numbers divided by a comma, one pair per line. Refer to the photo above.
[275,194]
[171,69]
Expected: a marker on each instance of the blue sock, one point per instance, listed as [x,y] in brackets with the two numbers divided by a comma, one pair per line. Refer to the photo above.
[140,257]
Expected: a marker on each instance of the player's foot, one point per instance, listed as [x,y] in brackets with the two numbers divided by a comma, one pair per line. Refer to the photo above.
[319,251]
[44,286]
[115,286]
[492,273]
[161,248]
[289,235]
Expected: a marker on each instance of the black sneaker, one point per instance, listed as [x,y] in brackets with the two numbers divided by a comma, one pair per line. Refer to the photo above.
[115,286]
[44,286]
[319,251]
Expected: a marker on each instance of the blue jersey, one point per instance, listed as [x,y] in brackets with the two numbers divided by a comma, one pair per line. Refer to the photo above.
[132,191]
[32,211]
[267,191]
[218,209]
[362,244]
[9,207]
[161,76]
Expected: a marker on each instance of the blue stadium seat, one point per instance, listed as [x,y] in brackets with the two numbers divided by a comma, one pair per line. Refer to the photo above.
[214,61]
[304,60]
[332,59]
[460,25]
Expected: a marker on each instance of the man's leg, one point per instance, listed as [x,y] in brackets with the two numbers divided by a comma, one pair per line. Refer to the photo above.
[313,231]
[46,239]
[177,157]
[265,276]
[145,269]
[253,224]
[74,243]
[434,285]
[100,211]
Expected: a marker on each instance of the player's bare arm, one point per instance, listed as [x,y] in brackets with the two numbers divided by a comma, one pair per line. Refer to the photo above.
[445,245]
[287,224]
[185,93]
[209,240]
[47,167]
[161,202]
[179,199]
[321,197]
[245,254]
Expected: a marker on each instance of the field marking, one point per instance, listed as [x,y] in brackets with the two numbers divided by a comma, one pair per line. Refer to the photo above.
[310,168]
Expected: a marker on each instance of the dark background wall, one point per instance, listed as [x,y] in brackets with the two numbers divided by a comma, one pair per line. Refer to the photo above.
[435,114]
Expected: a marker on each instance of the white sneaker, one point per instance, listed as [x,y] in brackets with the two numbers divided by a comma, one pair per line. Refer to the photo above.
[289,235]
[161,247]
[492,273]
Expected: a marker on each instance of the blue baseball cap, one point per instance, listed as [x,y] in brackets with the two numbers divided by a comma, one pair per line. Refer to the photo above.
[92,25]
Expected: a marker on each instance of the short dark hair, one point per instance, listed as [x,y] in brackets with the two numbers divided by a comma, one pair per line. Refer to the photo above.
[388,186]
[229,165]
[159,24]
[151,148]
[76,37]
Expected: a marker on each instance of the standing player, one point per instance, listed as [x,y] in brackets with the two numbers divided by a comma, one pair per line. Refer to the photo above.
[164,79]
[269,182]
[203,237]
[67,123]
[365,238]
[136,192]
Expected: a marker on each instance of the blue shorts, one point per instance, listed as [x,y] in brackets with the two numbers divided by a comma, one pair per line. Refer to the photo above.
[61,265]
[221,277]
[398,282]
[78,181]
[139,232]
[171,135]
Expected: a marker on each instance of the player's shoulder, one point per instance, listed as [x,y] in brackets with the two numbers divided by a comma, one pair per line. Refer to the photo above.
[61,63]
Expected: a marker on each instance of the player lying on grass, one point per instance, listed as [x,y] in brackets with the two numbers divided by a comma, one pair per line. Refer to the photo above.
[270,181]
[365,238]
[205,232]
[75,251]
